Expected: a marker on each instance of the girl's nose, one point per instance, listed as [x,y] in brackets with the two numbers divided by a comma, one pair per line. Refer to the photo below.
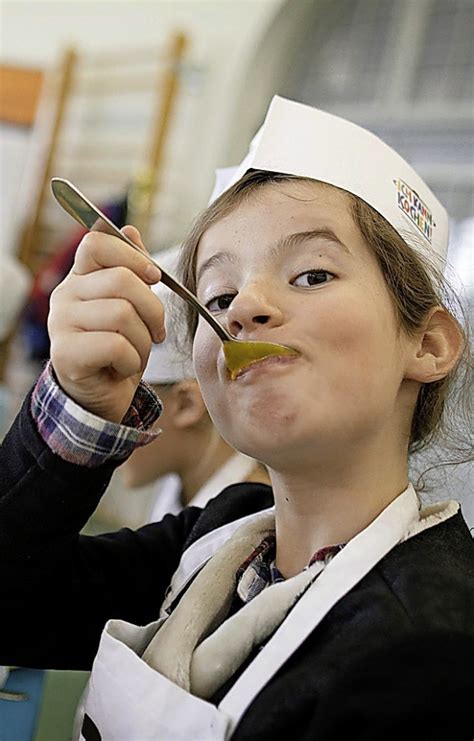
[250,309]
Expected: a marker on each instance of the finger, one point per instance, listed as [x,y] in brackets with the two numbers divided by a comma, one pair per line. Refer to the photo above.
[121,283]
[97,251]
[112,315]
[91,352]
[132,233]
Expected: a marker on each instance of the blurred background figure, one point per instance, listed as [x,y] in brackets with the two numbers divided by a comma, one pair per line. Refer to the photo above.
[189,463]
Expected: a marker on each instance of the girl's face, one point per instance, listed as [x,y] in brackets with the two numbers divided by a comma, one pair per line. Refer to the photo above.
[289,265]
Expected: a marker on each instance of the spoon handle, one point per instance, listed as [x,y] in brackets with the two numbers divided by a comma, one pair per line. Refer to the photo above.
[88,215]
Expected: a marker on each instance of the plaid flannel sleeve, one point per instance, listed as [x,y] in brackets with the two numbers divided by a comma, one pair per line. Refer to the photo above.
[80,437]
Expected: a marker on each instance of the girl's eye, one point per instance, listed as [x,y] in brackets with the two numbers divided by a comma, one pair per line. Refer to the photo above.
[312,278]
[220,303]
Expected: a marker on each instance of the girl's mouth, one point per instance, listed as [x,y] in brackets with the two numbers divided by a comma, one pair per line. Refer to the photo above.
[239,355]
[265,363]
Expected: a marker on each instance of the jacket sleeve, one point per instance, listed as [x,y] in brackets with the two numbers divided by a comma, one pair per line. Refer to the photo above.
[420,687]
[58,588]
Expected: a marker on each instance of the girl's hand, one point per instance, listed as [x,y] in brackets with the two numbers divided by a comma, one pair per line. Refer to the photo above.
[102,321]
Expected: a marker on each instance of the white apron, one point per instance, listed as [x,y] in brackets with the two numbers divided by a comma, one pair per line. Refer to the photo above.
[127,700]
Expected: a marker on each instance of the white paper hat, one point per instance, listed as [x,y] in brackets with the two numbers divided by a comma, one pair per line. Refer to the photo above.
[296,139]
[170,361]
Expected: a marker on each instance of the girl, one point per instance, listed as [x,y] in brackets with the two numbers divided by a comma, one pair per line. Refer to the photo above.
[330,605]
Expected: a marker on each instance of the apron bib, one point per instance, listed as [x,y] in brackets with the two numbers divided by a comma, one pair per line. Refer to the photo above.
[127,700]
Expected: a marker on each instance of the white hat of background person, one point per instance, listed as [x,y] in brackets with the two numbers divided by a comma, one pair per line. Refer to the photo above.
[170,361]
[296,139]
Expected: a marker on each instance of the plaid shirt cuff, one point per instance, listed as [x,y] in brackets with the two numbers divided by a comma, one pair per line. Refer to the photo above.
[80,437]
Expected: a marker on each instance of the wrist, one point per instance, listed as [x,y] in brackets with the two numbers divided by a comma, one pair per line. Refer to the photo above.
[81,437]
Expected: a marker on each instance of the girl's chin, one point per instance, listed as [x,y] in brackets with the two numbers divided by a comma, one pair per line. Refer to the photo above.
[268,418]
[267,445]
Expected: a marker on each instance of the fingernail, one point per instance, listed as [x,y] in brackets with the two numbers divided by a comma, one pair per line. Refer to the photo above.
[152,273]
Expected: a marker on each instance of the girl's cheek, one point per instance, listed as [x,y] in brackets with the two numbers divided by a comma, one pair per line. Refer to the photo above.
[206,347]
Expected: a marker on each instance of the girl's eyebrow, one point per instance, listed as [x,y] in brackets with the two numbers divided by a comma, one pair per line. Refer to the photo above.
[293,240]
[284,243]
[217,259]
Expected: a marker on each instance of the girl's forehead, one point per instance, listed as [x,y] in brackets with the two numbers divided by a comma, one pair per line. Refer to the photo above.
[296,195]
[276,210]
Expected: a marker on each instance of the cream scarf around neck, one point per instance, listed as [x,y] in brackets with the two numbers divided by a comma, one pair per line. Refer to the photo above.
[196,647]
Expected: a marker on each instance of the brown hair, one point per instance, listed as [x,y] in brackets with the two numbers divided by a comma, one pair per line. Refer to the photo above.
[415,285]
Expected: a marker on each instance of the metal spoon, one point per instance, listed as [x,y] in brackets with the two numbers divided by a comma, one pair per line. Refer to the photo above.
[238,353]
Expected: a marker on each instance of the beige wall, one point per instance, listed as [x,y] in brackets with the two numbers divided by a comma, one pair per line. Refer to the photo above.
[224,34]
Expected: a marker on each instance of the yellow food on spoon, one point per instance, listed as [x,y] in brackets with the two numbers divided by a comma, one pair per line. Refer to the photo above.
[239,355]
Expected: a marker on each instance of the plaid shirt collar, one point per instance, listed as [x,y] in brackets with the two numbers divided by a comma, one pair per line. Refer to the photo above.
[259,571]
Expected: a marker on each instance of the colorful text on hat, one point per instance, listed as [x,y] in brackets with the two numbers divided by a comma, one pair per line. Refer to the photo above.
[417,211]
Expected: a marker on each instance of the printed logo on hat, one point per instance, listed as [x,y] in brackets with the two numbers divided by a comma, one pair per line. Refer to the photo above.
[415,209]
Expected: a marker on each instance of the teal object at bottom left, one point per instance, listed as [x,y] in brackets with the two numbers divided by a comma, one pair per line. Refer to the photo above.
[20,703]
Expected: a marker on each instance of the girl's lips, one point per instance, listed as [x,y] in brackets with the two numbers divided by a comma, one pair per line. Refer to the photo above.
[274,360]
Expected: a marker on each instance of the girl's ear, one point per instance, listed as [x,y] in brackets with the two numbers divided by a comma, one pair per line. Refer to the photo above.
[188,407]
[437,349]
